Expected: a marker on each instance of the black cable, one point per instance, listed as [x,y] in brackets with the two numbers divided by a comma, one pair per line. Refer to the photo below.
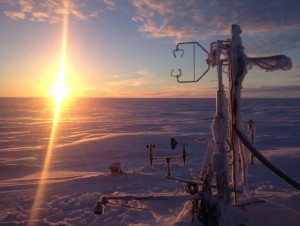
[264,161]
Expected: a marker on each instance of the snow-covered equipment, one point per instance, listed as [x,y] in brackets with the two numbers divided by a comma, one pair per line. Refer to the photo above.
[115,168]
[214,193]
[227,127]
[168,158]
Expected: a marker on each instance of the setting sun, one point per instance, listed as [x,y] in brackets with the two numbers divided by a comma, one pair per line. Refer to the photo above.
[59,91]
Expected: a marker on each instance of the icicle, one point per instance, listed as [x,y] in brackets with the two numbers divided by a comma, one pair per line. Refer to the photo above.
[251,135]
[207,158]
[235,163]
[244,168]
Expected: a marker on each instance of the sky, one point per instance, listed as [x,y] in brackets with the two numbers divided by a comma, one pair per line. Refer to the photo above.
[123,48]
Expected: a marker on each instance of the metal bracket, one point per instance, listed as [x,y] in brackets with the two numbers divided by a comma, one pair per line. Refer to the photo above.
[194,61]
[178,50]
[178,75]
[168,159]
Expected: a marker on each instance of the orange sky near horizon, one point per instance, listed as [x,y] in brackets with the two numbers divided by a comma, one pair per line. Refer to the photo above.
[124,49]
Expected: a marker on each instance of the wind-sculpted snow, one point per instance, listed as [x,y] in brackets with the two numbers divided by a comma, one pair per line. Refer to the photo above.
[95,132]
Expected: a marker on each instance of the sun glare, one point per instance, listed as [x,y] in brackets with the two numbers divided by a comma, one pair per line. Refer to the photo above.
[59,93]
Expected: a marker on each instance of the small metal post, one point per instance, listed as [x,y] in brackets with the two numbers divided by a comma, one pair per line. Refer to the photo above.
[250,131]
[183,153]
[168,168]
[150,146]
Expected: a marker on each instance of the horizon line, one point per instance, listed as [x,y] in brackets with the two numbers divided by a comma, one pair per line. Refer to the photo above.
[3,97]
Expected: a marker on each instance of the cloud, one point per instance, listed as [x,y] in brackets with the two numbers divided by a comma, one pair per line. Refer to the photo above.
[40,16]
[140,79]
[15,15]
[201,20]
[26,5]
[295,76]
[273,91]
[126,83]
[146,72]
[209,80]
[269,26]
[110,4]
[50,11]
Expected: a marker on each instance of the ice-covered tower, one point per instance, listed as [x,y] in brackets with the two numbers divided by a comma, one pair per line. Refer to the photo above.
[226,171]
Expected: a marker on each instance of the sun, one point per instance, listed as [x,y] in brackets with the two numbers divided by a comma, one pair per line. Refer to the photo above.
[59,91]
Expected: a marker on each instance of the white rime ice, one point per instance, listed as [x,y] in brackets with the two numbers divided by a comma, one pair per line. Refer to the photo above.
[230,53]
[238,71]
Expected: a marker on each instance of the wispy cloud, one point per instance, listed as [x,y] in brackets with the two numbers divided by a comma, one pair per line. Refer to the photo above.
[146,73]
[15,15]
[273,91]
[140,79]
[294,79]
[200,20]
[50,11]
[269,26]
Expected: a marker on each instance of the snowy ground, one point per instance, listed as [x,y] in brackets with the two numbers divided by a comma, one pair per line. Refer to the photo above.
[79,176]
[93,133]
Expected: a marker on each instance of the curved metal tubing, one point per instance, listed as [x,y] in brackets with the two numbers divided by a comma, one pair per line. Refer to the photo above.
[178,50]
[197,80]
[187,43]
[181,50]
[180,73]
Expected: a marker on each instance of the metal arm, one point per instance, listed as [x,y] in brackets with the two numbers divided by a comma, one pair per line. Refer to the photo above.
[194,61]
[188,43]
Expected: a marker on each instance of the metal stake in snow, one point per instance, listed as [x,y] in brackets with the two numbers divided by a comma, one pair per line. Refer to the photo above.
[229,57]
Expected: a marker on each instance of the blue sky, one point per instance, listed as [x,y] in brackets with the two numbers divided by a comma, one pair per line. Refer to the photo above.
[124,48]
